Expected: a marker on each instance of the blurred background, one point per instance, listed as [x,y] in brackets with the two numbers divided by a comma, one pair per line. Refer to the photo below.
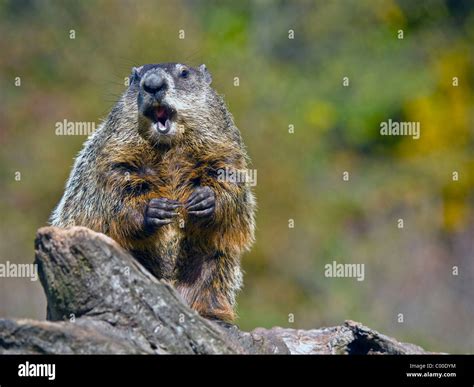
[282,82]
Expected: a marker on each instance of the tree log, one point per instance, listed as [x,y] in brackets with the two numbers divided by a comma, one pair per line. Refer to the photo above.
[101,300]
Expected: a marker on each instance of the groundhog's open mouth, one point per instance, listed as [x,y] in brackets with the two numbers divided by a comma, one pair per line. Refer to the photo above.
[162,117]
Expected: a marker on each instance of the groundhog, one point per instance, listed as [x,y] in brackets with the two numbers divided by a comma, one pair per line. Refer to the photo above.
[151,178]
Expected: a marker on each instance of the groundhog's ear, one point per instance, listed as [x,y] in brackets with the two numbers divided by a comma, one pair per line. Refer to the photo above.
[205,73]
[134,76]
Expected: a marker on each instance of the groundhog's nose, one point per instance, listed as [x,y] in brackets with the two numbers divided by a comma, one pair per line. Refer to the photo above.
[154,84]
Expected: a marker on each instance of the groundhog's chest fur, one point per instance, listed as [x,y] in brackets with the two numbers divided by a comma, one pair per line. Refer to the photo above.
[173,174]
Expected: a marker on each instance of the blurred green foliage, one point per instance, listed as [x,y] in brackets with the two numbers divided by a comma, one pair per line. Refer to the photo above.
[282,82]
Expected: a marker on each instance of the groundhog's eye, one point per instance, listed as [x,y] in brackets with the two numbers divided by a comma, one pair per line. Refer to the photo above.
[184,73]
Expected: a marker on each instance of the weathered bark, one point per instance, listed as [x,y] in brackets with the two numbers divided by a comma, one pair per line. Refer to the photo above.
[101,300]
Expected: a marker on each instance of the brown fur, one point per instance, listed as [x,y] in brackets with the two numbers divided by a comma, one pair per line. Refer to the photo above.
[121,168]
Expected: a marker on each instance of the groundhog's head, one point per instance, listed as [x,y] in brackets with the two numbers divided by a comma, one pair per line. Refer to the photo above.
[172,99]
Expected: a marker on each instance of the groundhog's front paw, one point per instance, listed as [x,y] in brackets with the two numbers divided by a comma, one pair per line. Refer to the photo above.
[202,202]
[160,212]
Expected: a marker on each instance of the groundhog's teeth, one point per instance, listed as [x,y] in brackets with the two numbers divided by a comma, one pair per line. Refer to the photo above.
[163,128]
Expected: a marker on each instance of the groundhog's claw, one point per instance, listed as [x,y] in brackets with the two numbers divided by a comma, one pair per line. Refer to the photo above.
[161,211]
[202,202]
